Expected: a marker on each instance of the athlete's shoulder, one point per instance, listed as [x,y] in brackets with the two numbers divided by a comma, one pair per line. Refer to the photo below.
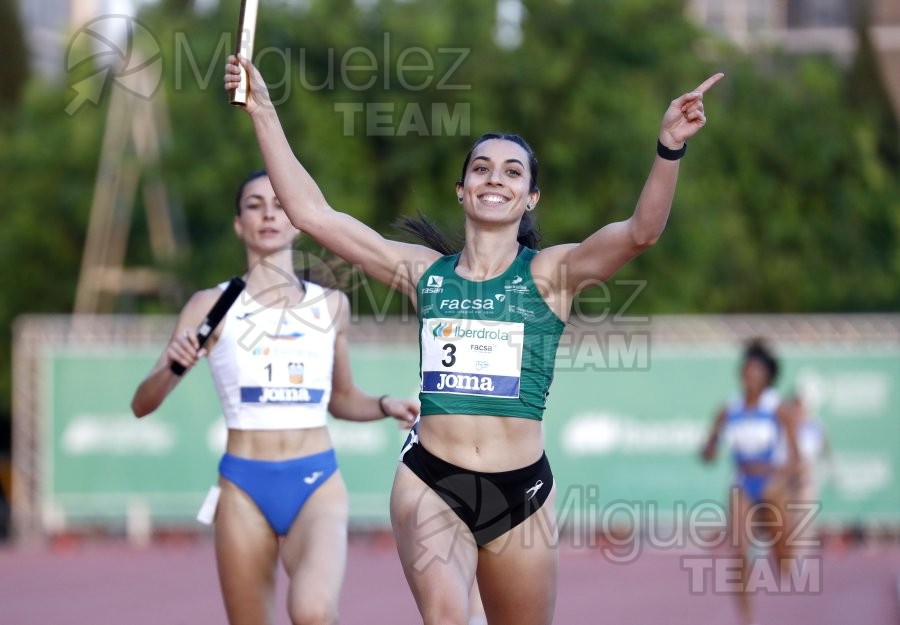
[734,404]
[434,273]
[336,298]
[338,303]
[442,262]
[203,300]
[197,306]
[545,263]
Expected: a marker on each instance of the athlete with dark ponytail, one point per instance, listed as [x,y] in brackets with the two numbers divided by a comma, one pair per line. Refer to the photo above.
[474,495]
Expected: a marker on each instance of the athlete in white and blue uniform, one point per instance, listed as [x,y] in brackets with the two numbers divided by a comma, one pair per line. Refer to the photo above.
[761,438]
[754,435]
[272,369]
[280,364]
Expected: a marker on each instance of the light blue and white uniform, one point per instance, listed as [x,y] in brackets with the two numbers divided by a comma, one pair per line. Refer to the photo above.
[272,368]
[754,436]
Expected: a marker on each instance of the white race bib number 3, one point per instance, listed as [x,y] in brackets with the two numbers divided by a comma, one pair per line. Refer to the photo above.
[471,357]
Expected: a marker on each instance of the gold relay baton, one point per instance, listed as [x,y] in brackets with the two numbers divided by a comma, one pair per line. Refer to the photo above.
[244,46]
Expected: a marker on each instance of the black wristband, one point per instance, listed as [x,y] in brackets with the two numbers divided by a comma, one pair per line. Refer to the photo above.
[668,153]
[381,405]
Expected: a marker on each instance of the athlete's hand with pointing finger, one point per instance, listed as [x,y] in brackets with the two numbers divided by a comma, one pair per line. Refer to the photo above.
[257,91]
[685,116]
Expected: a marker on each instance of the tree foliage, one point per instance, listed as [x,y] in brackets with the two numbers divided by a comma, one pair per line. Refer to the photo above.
[788,201]
[14,69]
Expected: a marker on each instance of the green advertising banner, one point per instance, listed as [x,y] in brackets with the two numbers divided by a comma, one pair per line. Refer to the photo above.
[623,426]
[102,462]
[101,459]
[633,435]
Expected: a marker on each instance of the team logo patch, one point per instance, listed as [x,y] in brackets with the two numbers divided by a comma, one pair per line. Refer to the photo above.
[515,285]
[434,284]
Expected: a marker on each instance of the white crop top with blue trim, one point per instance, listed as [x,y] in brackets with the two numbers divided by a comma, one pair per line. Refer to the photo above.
[753,433]
[272,365]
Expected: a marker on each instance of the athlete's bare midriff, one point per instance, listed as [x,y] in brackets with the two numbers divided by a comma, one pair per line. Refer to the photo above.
[482,442]
[277,444]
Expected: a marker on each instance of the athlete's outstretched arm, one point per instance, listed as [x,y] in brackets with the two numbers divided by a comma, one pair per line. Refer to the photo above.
[599,256]
[394,263]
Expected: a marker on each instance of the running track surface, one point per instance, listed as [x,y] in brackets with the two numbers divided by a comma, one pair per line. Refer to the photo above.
[174,582]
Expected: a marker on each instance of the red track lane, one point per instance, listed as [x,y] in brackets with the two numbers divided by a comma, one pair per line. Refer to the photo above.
[174,582]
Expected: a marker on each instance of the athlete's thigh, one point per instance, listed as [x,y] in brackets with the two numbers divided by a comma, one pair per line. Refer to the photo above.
[780,525]
[517,572]
[436,549]
[476,607]
[246,554]
[740,520]
[314,552]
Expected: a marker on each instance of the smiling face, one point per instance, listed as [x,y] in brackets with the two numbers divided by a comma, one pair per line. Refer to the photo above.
[261,223]
[497,182]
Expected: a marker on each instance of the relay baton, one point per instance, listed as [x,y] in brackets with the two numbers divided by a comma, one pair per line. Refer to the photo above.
[214,316]
[244,46]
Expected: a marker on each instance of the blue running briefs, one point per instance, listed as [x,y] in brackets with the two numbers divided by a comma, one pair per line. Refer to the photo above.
[279,488]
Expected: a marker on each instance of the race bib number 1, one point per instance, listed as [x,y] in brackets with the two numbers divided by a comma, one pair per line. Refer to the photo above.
[471,357]
[274,372]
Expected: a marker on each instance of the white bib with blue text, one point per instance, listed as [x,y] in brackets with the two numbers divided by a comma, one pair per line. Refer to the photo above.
[472,357]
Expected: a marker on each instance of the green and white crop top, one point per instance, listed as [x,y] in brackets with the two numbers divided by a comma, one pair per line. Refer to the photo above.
[485,347]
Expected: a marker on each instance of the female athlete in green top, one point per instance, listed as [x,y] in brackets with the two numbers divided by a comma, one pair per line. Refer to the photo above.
[487,347]
[444,538]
